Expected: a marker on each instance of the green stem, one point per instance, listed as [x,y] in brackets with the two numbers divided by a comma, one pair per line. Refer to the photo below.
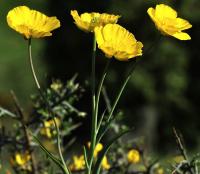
[133,65]
[48,106]
[100,87]
[94,118]
[31,63]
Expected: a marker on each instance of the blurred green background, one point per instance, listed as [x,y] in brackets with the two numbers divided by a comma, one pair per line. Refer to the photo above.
[164,90]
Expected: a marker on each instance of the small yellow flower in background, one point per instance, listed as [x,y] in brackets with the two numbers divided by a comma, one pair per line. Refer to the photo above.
[97,149]
[133,156]
[31,23]
[178,159]
[88,21]
[78,163]
[22,160]
[56,85]
[48,128]
[159,171]
[105,164]
[114,40]
[166,20]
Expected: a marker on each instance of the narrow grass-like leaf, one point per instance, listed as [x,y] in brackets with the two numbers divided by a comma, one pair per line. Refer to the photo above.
[97,166]
[85,157]
[49,154]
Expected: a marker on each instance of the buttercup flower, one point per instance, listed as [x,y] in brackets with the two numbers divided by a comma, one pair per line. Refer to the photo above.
[133,156]
[114,40]
[31,23]
[166,20]
[88,21]
[78,163]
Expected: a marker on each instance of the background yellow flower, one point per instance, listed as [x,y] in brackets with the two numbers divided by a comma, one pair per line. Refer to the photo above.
[78,163]
[133,156]
[48,128]
[105,164]
[97,149]
[31,23]
[114,40]
[21,160]
[166,20]
[88,21]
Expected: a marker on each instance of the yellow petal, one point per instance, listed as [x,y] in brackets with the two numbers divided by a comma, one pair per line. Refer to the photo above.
[163,10]
[182,36]
[151,12]
[182,24]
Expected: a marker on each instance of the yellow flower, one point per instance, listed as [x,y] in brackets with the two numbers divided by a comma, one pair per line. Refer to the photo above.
[78,163]
[48,127]
[160,171]
[31,23]
[21,160]
[88,21]
[166,20]
[133,156]
[105,163]
[97,149]
[56,85]
[114,40]
[178,159]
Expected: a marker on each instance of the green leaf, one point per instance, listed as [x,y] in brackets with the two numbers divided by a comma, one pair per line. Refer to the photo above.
[49,154]
[97,166]
[102,130]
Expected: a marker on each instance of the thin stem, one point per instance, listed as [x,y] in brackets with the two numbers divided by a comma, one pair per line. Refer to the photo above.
[94,118]
[180,145]
[100,87]
[133,66]
[31,63]
[48,107]
[106,98]
[26,134]
[182,149]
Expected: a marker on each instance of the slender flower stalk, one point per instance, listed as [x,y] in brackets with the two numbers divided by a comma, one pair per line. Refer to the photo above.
[100,90]
[31,63]
[95,101]
[132,68]
[94,117]
[48,107]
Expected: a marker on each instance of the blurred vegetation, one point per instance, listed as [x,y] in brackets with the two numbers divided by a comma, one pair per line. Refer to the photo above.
[164,90]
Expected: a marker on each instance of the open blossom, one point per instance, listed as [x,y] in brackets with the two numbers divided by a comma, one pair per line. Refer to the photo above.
[88,21]
[31,23]
[166,20]
[116,41]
